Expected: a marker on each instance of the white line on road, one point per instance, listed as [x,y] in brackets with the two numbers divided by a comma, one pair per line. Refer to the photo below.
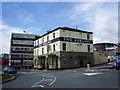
[53,81]
[39,81]
[89,74]
[90,70]
[104,69]
[37,86]
[48,80]
[74,71]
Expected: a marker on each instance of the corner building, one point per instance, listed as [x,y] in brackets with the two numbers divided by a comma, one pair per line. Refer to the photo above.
[63,48]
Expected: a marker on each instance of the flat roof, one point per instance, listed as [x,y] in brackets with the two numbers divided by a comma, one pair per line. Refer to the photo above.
[66,28]
[105,43]
[26,34]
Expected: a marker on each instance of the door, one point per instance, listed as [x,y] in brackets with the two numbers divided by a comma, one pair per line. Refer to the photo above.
[81,64]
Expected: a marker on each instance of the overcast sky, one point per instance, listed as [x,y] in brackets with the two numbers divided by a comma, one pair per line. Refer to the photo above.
[101,18]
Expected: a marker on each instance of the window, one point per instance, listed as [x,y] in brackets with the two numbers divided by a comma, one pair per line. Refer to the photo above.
[53,35]
[53,61]
[64,46]
[88,48]
[23,36]
[37,42]
[54,48]
[21,49]
[35,61]
[65,62]
[37,51]
[42,40]
[47,38]
[23,42]
[21,56]
[80,32]
[42,50]
[88,36]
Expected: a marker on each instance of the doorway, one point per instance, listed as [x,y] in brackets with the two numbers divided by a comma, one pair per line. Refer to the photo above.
[81,64]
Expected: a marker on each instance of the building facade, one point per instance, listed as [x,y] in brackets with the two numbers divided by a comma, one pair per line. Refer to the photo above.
[4,59]
[63,47]
[117,48]
[105,48]
[21,50]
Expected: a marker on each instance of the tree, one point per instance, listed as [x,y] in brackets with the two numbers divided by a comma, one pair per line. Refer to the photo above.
[48,48]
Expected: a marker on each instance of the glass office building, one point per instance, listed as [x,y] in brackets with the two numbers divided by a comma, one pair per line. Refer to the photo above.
[21,50]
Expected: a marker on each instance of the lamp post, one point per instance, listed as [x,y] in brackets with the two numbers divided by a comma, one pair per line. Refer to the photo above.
[27,52]
[28,55]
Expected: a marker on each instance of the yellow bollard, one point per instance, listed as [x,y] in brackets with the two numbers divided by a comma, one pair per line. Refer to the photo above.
[88,66]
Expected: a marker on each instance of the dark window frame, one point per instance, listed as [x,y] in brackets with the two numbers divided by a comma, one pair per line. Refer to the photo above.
[88,48]
[64,46]
[88,36]
[53,47]
[54,35]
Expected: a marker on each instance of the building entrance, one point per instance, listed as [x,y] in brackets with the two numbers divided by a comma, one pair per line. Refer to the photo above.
[81,64]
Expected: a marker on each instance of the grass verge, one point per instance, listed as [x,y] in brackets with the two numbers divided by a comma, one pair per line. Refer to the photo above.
[4,77]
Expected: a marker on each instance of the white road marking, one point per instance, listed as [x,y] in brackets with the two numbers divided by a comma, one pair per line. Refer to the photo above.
[104,69]
[49,77]
[89,74]
[53,81]
[68,70]
[74,71]
[48,80]
[37,86]
[39,81]
[90,70]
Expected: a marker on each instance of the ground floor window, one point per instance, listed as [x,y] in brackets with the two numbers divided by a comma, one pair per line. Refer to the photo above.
[53,61]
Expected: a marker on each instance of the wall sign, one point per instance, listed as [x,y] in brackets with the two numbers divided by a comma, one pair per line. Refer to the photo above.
[67,39]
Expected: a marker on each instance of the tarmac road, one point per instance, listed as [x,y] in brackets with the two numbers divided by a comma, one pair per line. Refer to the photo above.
[71,78]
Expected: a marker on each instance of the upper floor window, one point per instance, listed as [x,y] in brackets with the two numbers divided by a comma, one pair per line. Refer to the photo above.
[54,48]
[88,48]
[37,42]
[80,32]
[42,50]
[53,35]
[21,49]
[35,61]
[23,36]
[64,46]
[47,38]
[37,51]
[22,42]
[42,40]
[88,37]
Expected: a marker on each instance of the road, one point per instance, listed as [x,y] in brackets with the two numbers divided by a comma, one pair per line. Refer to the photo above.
[71,78]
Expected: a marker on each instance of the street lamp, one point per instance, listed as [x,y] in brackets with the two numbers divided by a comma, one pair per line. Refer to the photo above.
[28,50]
[28,54]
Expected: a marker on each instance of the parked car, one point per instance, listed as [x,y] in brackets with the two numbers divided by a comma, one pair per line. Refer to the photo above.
[9,70]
